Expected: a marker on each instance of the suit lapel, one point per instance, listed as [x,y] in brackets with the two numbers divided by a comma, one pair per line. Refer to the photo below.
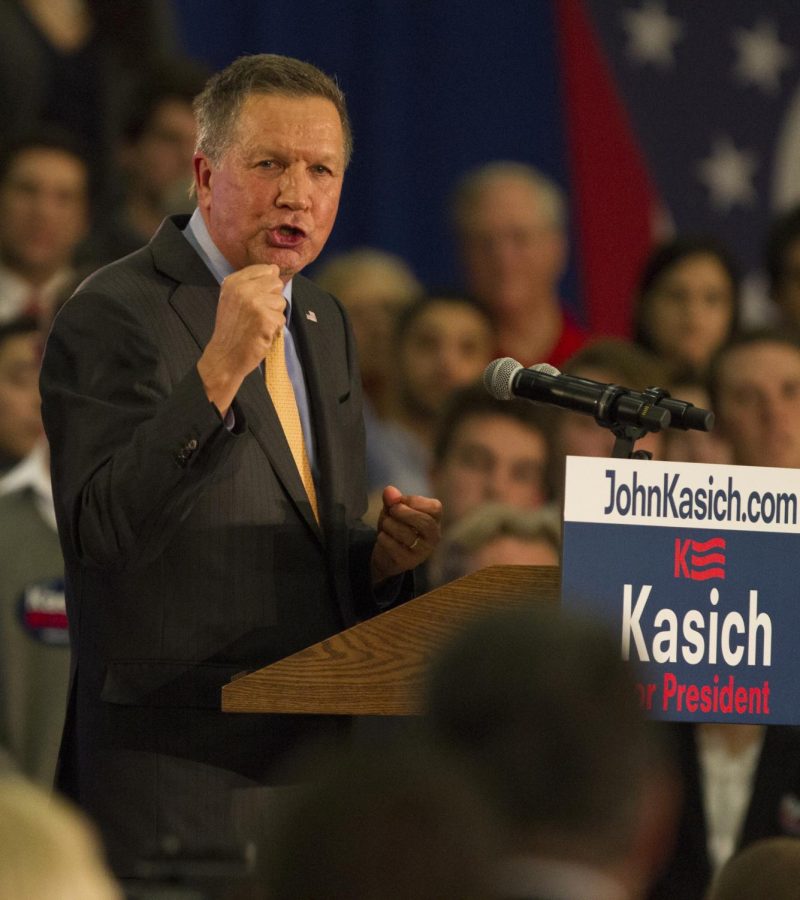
[195,301]
[310,326]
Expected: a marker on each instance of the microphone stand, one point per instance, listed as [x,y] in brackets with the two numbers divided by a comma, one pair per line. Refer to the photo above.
[625,436]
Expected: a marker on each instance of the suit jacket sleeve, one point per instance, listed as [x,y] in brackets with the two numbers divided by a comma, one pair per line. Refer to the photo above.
[131,451]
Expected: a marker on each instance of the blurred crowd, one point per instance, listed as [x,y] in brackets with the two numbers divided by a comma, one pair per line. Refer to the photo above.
[558,784]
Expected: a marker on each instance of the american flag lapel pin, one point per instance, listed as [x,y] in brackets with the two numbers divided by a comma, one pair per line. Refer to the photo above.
[311,316]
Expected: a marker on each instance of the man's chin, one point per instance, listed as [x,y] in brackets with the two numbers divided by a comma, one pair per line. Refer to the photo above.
[289,262]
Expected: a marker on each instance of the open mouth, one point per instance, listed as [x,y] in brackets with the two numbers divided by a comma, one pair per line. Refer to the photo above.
[287,236]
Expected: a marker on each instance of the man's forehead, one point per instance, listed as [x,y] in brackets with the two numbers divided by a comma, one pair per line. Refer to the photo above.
[287,110]
[747,362]
[46,165]
[481,429]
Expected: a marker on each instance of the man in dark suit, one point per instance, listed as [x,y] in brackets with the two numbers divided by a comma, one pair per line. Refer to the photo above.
[194,548]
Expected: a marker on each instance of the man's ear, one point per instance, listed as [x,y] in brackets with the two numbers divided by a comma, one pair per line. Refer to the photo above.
[203,174]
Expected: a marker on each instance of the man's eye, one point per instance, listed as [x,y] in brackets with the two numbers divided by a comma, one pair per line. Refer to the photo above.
[266,164]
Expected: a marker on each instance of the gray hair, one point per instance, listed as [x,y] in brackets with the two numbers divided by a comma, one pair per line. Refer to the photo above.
[338,273]
[217,107]
[484,525]
[472,186]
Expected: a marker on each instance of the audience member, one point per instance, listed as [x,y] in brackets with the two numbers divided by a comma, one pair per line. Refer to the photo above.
[754,383]
[543,707]
[782,258]
[767,868]
[154,162]
[48,851]
[44,197]
[687,303]
[374,286]
[610,361]
[396,822]
[742,781]
[443,342]
[495,534]
[510,221]
[34,640]
[741,784]
[490,451]
[20,417]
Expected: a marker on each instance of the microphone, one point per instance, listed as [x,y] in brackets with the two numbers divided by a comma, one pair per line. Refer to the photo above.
[609,404]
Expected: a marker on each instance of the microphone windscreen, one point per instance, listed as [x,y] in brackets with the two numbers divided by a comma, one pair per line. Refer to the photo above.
[545,369]
[498,377]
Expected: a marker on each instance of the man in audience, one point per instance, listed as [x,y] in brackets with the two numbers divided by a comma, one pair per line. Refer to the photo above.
[396,821]
[510,222]
[20,416]
[496,534]
[154,160]
[490,451]
[544,709]
[754,384]
[44,215]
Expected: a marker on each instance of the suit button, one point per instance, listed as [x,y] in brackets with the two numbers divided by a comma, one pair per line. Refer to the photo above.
[192,445]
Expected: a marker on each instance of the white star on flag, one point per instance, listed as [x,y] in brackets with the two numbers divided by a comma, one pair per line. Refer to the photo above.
[728,174]
[762,57]
[652,34]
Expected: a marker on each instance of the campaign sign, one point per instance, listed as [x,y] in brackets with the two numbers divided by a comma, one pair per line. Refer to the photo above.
[697,569]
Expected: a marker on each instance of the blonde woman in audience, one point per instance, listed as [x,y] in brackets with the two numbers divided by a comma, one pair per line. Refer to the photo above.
[48,851]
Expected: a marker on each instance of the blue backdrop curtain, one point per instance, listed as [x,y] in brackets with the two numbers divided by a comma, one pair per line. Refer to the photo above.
[434,87]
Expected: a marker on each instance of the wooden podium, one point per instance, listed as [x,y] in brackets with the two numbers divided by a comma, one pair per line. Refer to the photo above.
[376,667]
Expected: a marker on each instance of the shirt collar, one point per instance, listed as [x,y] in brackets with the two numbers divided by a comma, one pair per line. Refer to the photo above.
[33,474]
[196,233]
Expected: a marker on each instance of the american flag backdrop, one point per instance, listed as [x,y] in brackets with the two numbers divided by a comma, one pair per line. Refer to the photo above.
[699,104]
[652,114]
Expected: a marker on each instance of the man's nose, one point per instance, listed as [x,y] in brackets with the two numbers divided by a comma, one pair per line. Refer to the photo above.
[495,484]
[293,190]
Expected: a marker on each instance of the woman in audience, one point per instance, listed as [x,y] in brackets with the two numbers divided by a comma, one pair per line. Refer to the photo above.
[687,303]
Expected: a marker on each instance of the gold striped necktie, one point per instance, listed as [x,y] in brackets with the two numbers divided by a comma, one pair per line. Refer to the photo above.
[281,391]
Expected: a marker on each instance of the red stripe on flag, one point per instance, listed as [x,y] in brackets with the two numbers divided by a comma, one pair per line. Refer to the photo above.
[613,195]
